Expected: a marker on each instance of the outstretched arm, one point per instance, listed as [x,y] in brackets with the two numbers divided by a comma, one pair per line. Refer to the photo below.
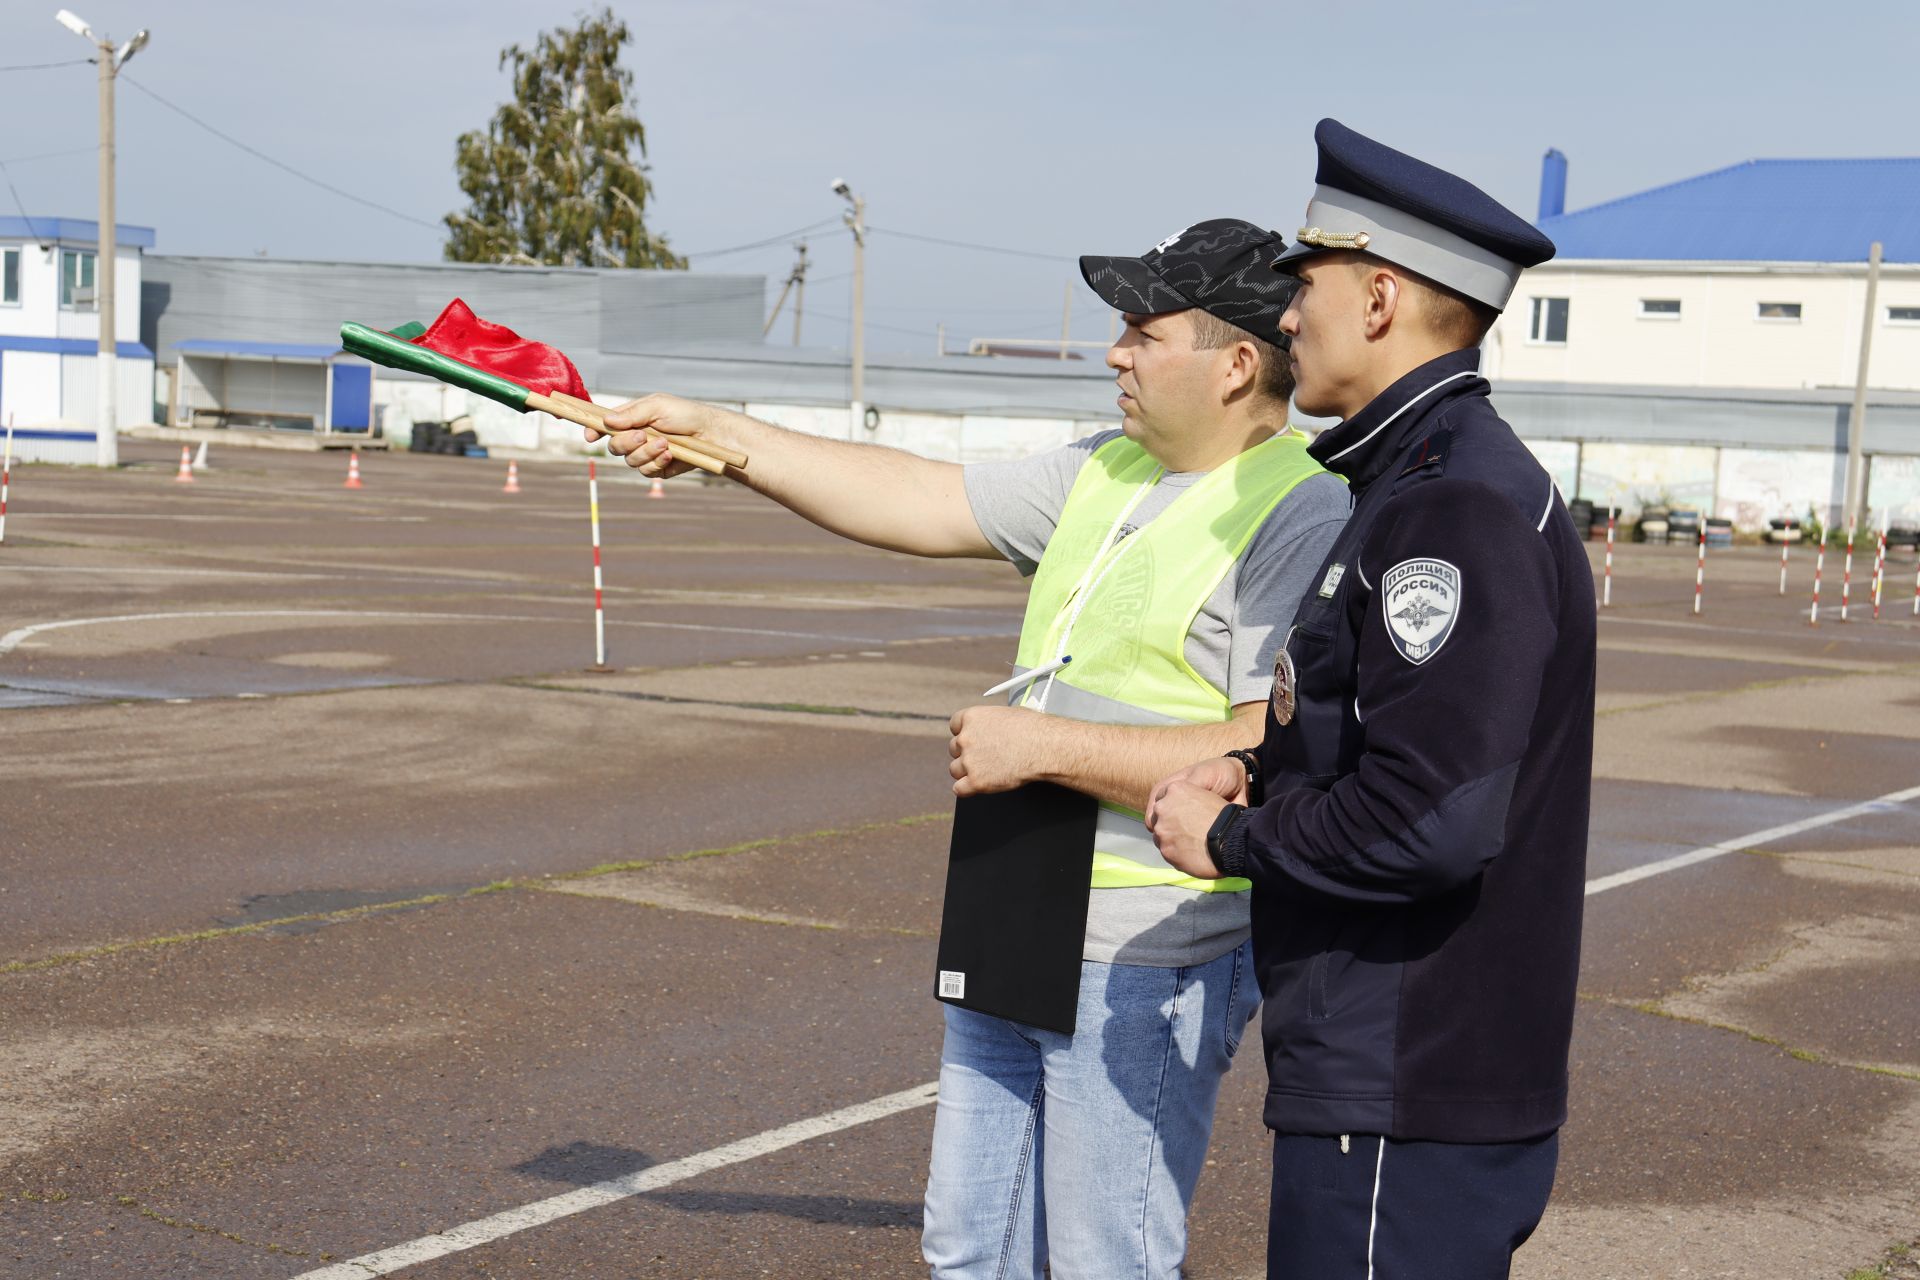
[883,497]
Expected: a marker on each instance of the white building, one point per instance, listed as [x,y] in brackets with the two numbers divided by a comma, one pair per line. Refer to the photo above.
[50,334]
[1714,325]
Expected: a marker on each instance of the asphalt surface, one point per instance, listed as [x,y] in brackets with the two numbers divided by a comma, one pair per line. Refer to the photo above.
[340,905]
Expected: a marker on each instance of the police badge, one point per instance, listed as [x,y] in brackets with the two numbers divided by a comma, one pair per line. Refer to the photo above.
[1285,686]
[1420,600]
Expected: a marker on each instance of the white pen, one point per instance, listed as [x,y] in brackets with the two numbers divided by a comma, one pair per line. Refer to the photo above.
[1044,669]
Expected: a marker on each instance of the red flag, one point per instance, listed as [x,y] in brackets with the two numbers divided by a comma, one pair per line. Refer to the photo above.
[464,336]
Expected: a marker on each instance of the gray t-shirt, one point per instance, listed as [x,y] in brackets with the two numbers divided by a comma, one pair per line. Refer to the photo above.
[1231,645]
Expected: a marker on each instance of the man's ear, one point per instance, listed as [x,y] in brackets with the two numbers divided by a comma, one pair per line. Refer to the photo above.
[1384,296]
[1243,371]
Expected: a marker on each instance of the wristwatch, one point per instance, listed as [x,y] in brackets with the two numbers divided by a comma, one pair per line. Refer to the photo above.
[1227,841]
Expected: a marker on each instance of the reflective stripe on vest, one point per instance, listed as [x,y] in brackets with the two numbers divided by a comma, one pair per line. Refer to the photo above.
[1123,608]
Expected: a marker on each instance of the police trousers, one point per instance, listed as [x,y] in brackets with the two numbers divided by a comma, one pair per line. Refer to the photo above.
[1387,1210]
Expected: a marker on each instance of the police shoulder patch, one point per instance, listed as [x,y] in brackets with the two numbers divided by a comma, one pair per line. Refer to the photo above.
[1420,600]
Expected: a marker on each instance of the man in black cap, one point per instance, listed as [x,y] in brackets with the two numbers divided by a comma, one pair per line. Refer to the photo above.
[1415,820]
[1166,558]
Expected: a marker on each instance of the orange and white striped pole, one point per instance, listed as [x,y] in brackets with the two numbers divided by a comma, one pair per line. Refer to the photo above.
[6,479]
[1606,580]
[1819,563]
[599,606]
[1879,566]
[1846,578]
[1700,568]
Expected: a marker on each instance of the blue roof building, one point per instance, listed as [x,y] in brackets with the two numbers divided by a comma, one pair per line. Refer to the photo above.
[1755,211]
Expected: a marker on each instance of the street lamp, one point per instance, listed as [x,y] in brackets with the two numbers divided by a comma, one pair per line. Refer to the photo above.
[110,58]
[856,220]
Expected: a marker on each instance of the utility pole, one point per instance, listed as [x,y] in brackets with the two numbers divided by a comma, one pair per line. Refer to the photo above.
[1066,320]
[796,282]
[799,290]
[856,220]
[1857,419]
[106,372]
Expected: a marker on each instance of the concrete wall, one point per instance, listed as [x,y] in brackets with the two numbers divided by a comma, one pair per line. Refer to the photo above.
[1718,340]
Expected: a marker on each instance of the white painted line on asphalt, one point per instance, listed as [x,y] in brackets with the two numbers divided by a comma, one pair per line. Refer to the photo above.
[1883,804]
[13,639]
[482,1231]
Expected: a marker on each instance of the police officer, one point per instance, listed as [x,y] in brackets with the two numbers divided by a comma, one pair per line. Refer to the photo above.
[1415,821]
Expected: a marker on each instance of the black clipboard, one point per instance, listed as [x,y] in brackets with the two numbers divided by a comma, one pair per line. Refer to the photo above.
[1014,923]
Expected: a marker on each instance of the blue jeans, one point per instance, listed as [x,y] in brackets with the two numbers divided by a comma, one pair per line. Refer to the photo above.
[1081,1152]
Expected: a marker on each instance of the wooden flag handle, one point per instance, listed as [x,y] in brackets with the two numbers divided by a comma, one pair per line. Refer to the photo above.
[570,409]
[719,452]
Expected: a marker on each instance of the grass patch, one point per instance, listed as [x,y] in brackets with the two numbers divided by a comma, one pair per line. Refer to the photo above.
[747,846]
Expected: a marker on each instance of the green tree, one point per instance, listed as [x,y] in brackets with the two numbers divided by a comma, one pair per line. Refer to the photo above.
[554,180]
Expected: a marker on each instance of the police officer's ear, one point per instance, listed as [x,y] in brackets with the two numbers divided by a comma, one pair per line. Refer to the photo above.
[1384,295]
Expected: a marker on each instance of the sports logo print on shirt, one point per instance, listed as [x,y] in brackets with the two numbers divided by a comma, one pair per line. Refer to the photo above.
[1420,600]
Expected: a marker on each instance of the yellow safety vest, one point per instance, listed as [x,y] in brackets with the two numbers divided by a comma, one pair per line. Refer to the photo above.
[1122,608]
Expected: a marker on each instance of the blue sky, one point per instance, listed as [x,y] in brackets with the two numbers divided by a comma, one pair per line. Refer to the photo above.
[1056,129]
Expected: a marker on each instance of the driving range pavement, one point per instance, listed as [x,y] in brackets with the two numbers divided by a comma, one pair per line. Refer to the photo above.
[350,926]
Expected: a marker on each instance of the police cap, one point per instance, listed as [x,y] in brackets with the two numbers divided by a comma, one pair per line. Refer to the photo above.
[1383,202]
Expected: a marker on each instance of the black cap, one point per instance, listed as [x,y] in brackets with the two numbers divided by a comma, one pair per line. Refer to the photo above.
[1219,266]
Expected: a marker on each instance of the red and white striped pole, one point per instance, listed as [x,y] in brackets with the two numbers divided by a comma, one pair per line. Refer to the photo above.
[1819,563]
[1879,566]
[599,607]
[6,479]
[1916,587]
[1784,544]
[1700,569]
[1846,578]
[1606,587]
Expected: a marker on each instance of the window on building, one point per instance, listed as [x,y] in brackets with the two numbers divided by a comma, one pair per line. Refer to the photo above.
[1777,311]
[10,276]
[76,280]
[1549,320]
[1660,308]
[1903,315]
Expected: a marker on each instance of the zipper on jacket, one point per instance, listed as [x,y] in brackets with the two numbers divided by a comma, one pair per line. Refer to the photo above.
[1345,1143]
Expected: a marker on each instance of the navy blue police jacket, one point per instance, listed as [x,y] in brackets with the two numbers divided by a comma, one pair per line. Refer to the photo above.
[1420,856]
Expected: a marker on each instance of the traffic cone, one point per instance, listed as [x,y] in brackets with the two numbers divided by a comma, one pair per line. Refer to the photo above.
[200,457]
[513,477]
[353,470]
[658,490]
[185,474]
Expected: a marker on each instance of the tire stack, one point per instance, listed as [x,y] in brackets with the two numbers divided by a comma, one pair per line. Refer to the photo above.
[1581,509]
[1903,536]
[426,437]
[1719,532]
[439,437]
[1683,526]
[1784,530]
[1653,526]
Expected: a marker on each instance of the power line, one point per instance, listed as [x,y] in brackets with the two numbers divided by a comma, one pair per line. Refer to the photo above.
[963,244]
[278,164]
[42,66]
[49,155]
[17,203]
[761,244]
